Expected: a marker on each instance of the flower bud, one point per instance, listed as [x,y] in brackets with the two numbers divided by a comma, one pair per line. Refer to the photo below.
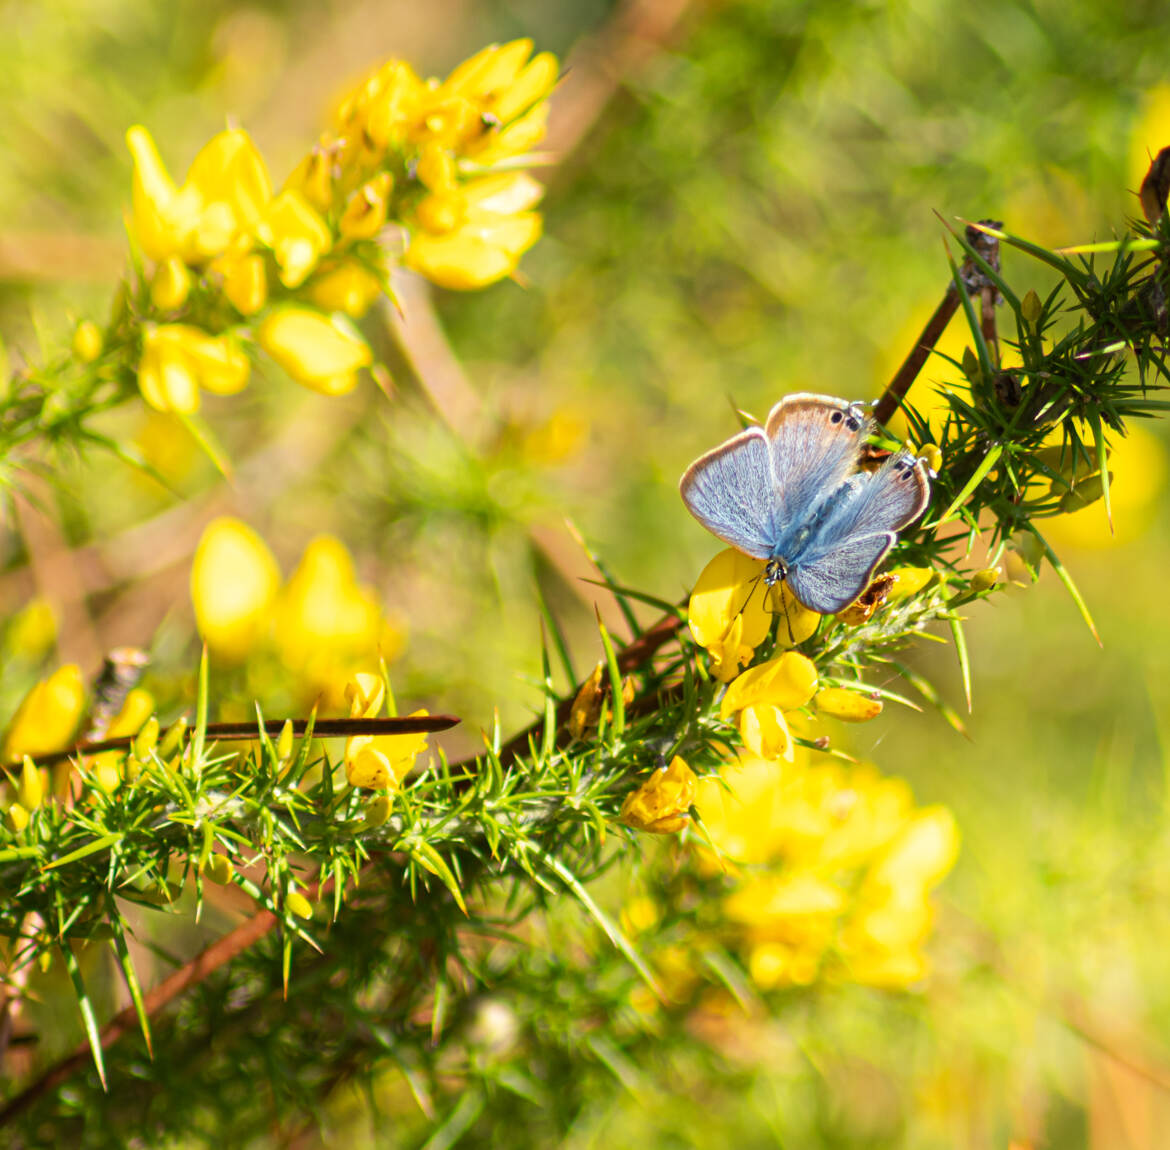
[298,904]
[984,580]
[284,743]
[1031,309]
[146,739]
[87,341]
[171,285]
[377,812]
[31,789]
[848,706]
[218,869]
[930,454]
[16,818]
[319,352]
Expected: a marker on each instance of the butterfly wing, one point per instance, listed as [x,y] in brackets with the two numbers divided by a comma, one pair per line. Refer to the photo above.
[835,578]
[848,544]
[732,493]
[815,441]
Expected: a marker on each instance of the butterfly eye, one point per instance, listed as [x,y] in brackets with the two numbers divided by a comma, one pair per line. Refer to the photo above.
[836,417]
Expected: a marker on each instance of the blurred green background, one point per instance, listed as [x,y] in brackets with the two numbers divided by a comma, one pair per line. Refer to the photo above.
[744,203]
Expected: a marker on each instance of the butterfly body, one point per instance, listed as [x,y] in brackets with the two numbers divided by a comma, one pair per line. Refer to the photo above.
[790,493]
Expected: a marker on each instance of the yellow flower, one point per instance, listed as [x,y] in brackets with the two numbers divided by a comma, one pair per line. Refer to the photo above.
[234,581]
[347,287]
[662,804]
[326,622]
[178,359]
[475,234]
[377,761]
[313,178]
[297,235]
[319,352]
[728,612]
[226,191]
[171,283]
[788,922]
[762,694]
[848,706]
[365,214]
[87,341]
[48,716]
[244,279]
[384,106]
[33,629]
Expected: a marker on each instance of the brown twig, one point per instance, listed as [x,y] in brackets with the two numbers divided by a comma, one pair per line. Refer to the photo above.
[322,728]
[905,376]
[206,962]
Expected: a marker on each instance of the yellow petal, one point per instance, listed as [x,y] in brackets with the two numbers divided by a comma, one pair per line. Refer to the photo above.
[245,282]
[729,593]
[366,694]
[48,716]
[297,235]
[910,580]
[234,581]
[532,84]
[787,682]
[349,287]
[795,621]
[458,261]
[765,732]
[316,350]
[921,855]
[171,283]
[229,170]
[507,194]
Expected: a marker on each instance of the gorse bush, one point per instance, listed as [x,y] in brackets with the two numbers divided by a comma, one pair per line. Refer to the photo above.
[447,934]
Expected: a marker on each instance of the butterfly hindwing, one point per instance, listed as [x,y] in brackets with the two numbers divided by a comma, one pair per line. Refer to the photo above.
[886,500]
[815,441]
[731,491]
[832,580]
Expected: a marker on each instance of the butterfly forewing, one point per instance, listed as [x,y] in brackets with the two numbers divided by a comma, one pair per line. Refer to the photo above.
[732,493]
[815,441]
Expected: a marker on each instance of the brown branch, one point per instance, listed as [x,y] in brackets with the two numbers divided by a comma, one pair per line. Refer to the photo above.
[203,964]
[322,728]
[905,376]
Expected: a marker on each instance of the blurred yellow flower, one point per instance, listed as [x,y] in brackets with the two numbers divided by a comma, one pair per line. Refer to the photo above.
[1151,133]
[243,278]
[226,192]
[365,214]
[171,284]
[728,612]
[32,630]
[48,716]
[349,287]
[377,761]
[297,235]
[327,623]
[178,359]
[662,804]
[475,234]
[319,352]
[1137,464]
[234,582]
[841,869]
[87,341]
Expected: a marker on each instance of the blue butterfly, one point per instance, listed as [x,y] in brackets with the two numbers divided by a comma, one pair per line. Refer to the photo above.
[790,492]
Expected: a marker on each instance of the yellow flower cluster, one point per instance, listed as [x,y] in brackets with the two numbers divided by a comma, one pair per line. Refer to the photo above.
[468,224]
[235,264]
[832,870]
[322,624]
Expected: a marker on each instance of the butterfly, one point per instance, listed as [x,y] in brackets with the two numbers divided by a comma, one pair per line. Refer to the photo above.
[791,493]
